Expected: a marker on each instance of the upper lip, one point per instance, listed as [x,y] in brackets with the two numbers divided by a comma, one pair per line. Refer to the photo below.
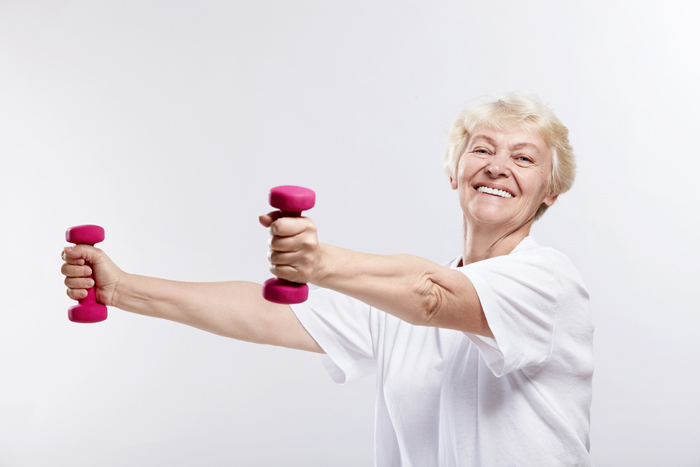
[494,186]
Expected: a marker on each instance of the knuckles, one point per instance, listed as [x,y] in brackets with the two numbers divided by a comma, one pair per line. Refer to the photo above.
[308,241]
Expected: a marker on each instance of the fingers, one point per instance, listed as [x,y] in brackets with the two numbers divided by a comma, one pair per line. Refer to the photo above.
[79,282]
[286,244]
[77,271]
[294,248]
[85,267]
[290,226]
[288,273]
[70,260]
[286,263]
[81,254]
[74,265]
[293,259]
[76,259]
[76,294]
[77,286]
[292,235]
[74,270]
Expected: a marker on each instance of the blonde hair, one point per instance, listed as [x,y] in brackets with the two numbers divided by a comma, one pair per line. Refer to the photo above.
[516,112]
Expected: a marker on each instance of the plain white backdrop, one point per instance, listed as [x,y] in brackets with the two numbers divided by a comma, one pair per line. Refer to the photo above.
[167,122]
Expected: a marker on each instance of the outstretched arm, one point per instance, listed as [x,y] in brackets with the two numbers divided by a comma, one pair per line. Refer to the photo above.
[231,309]
[413,289]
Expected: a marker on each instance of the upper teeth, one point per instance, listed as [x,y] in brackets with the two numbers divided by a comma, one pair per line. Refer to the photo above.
[493,191]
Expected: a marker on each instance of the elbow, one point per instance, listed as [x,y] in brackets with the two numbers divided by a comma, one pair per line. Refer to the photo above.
[434,304]
[452,305]
[432,299]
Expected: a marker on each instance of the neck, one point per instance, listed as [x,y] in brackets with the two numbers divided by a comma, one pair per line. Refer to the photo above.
[483,241]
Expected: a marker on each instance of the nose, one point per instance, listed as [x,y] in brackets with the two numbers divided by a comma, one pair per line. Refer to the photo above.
[498,166]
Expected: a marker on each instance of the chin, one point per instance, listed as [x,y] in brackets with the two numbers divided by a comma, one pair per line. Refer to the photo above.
[489,216]
[491,220]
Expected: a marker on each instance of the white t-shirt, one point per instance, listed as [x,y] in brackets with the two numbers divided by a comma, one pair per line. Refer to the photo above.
[448,398]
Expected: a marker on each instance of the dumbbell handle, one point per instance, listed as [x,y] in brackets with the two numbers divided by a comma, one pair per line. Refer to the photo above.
[88,309]
[291,201]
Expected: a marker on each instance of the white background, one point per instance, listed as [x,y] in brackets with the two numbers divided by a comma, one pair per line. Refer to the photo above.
[167,122]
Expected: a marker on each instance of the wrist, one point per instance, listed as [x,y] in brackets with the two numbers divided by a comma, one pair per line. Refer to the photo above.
[121,290]
[326,265]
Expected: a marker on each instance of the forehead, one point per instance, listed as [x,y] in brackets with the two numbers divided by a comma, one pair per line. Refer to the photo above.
[511,139]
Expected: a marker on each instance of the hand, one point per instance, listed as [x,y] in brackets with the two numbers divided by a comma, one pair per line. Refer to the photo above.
[295,252]
[77,271]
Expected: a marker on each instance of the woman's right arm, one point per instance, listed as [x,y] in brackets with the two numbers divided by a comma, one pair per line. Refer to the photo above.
[231,309]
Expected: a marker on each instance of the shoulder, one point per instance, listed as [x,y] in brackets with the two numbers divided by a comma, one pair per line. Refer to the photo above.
[558,264]
[529,252]
[533,266]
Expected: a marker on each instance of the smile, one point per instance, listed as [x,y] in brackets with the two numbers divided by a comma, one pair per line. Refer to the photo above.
[493,191]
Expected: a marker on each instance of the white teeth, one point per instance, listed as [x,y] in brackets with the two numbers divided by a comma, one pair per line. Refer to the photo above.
[493,191]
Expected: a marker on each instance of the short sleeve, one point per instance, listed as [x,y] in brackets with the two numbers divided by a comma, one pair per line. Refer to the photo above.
[519,295]
[341,326]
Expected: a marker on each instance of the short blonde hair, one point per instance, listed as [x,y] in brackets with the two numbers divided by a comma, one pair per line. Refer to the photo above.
[515,112]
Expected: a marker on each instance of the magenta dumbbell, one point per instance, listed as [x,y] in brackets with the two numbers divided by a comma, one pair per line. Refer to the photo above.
[291,201]
[87,310]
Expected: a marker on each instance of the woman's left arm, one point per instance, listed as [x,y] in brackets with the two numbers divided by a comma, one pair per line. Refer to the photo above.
[411,288]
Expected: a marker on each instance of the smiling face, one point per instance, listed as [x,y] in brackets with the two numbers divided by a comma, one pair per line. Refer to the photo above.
[502,178]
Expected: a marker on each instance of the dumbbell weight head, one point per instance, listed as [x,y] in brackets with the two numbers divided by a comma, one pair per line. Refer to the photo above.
[291,200]
[278,290]
[85,234]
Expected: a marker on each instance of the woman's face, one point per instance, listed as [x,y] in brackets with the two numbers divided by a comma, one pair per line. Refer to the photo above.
[502,178]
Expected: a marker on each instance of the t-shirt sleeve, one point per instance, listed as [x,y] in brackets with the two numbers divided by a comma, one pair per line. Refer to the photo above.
[342,327]
[518,294]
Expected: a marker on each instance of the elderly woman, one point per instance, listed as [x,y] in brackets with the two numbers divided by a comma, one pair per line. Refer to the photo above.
[486,360]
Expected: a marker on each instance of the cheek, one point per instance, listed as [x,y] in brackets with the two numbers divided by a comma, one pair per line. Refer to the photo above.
[466,169]
[540,187]
[458,179]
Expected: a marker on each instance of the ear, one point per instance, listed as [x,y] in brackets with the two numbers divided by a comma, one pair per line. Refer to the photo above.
[550,199]
[453,182]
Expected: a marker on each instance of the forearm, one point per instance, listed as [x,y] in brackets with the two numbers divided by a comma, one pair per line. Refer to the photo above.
[232,309]
[411,288]
[398,284]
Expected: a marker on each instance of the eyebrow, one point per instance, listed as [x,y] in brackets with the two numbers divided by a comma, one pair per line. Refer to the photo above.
[526,145]
[492,142]
[487,138]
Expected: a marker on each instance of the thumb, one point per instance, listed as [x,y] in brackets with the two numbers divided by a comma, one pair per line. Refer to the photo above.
[85,252]
[267,219]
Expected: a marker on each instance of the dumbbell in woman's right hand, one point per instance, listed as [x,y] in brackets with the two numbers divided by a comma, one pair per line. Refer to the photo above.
[291,201]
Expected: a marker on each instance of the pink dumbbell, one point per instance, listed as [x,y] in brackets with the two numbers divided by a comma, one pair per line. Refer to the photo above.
[87,310]
[290,200]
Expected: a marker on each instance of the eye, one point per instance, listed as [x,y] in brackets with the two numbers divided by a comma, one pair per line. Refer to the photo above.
[483,151]
[523,160]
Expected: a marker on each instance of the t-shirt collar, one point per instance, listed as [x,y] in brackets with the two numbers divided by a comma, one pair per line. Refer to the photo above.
[524,243]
